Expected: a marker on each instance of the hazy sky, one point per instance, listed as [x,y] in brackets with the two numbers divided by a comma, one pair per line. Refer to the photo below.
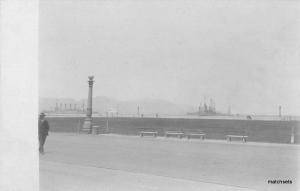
[240,52]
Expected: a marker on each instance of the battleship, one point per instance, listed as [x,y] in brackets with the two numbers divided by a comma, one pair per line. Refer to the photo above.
[208,110]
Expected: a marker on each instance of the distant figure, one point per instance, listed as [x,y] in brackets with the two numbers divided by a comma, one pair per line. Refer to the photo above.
[43,132]
[249,117]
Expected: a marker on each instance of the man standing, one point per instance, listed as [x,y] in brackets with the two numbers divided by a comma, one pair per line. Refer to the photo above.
[43,132]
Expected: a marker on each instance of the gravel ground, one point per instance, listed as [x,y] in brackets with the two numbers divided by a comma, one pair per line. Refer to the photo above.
[115,162]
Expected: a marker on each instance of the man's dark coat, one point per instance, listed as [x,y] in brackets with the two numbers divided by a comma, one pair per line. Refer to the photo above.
[43,127]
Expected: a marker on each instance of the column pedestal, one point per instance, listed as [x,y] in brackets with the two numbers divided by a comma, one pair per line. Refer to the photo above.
[87,125]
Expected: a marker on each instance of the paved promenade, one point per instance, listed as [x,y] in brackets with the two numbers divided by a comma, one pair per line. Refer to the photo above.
[114,162]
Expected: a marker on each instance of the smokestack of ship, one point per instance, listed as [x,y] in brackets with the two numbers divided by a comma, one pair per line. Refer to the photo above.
[279,111]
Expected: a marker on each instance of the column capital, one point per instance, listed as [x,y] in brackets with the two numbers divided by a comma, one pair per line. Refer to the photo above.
[91,81]
[91,78]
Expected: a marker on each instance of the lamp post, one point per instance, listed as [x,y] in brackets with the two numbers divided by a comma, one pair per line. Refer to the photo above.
[88,119]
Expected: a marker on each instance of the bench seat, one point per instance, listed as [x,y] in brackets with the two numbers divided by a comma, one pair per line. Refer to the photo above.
[153,133]
[243,137]
[200,135]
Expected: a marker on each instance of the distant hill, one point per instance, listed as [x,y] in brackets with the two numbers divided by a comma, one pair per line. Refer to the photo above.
[103,104]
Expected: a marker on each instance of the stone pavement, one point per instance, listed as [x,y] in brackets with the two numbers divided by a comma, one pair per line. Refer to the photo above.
[114,162]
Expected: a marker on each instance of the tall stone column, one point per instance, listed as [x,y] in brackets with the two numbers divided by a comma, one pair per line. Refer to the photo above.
[87,126]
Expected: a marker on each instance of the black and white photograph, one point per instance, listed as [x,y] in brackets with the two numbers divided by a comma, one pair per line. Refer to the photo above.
[153,95]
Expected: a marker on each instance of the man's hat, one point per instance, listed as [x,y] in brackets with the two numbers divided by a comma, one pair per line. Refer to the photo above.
[42,114]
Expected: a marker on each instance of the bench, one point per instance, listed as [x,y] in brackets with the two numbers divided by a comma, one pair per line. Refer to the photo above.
[200,135]
[153,133]
[174,133]
[243,137]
